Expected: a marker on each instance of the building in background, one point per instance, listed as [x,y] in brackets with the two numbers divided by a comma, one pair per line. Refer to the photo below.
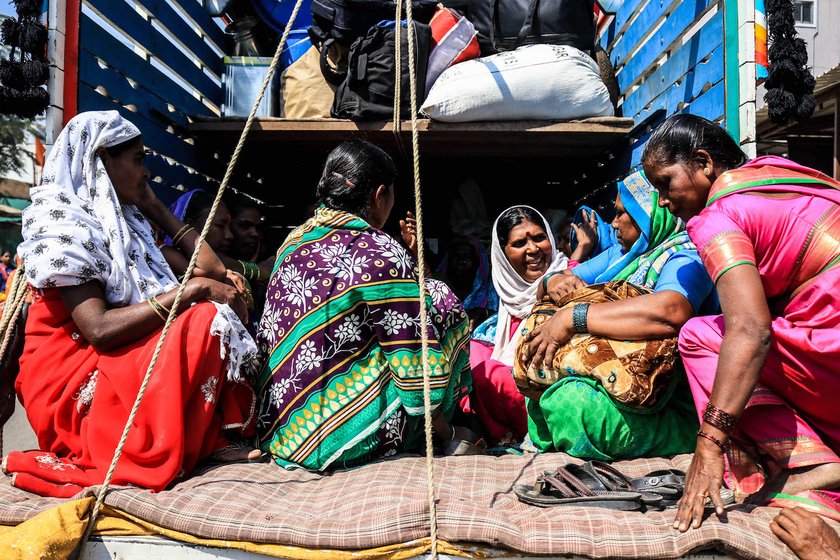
[815,142]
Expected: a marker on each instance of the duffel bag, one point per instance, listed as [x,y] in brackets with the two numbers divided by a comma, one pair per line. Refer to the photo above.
[454,40]
[367,89]
[504,25]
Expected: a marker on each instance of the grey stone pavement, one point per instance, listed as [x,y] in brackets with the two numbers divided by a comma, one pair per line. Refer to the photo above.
[17,434]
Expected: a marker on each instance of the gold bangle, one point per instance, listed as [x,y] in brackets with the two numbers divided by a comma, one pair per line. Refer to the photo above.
[156,310]
[161,306]
[181,234]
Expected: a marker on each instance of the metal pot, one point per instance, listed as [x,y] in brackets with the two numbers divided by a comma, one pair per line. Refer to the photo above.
[242,31]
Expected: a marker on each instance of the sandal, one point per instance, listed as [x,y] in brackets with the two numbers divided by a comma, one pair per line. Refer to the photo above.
[235,453]
[598,475]
[668,483]
[459,447]
[563,488]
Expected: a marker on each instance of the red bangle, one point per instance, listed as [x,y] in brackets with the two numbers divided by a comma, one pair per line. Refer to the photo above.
[713,439]
[719,419]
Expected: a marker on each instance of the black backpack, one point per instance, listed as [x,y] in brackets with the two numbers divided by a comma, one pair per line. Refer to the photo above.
[344,21]
[366,91]
[504,25]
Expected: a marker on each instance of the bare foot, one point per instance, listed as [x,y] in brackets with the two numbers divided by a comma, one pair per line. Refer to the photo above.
[233,454]
[806,534]
[793,481]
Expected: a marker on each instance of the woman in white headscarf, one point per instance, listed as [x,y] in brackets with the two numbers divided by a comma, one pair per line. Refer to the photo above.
[102,293]
[523,253]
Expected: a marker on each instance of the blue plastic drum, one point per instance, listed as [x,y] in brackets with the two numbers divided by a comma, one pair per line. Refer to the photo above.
[276,13]
[296,46]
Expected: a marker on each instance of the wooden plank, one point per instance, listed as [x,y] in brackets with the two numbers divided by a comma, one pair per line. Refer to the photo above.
[678,65]
[665,39]
[175,175]
[141,31]
[141,71]
[733,88]
[119,89]
[519,138]
[200,16]
[701,78]
[154,136]
[618,27]
[641,28]
[184,33]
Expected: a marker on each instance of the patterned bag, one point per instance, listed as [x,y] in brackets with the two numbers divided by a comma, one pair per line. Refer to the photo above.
[635,373]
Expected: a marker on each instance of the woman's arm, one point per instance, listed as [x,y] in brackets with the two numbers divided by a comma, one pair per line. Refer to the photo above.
[107,328]
[657,315]
[746,343]
[208,264]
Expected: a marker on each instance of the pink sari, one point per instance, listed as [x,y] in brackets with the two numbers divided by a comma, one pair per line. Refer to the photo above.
[791,419]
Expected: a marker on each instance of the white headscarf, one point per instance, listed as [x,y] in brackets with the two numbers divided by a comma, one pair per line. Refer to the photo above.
[76,231]
[516,296]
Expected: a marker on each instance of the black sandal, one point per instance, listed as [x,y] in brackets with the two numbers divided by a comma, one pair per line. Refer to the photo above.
[668,483]
[563,488]
[598,475]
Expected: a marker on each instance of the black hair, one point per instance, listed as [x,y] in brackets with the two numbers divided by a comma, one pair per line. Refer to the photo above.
[198,207]
[352,173]
[118,149]
[237,203]
[679,137]
[512,217]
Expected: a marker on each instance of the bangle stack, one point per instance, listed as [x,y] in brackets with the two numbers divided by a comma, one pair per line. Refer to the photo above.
[160,310]
[713,439]
[719,419]
[178,237]
[546,279]
[580,311]
[250,270]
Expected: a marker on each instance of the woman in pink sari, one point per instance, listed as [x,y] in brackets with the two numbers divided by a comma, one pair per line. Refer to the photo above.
[764,375]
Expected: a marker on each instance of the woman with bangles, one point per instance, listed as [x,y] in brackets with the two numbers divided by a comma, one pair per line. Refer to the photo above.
[764,374]
[103,291]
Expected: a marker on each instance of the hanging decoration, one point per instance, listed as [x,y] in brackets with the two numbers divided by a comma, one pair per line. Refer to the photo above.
[790,84]
[25,71]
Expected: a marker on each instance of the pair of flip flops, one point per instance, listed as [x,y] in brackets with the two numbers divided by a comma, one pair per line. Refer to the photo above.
[593,484]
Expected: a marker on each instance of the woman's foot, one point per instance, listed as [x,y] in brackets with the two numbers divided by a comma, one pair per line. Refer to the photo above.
[806,534]
[794,481]
[236,453]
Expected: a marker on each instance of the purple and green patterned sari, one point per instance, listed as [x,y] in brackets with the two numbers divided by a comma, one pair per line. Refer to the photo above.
[342,383]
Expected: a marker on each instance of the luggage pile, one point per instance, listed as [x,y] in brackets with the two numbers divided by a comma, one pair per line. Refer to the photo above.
[475,60]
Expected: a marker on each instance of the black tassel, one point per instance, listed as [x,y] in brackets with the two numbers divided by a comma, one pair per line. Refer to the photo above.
[27,8]
[32,102]
[790,84]
[35,72]
[10,32]
[11,74]
[33,38]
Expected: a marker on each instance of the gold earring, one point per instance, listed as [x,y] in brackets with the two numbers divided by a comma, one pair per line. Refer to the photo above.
[707,171]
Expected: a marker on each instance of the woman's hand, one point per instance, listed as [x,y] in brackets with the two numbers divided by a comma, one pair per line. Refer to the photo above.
[587,236]
[242,287]
[408,230]
[559,285]
[544,340]
[704,479]
[151,206]
[212,290]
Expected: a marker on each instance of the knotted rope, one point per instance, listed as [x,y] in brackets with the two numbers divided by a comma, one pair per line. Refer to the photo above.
[172,314]
[421,267]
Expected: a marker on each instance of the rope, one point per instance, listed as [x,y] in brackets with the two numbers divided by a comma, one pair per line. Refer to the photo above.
[418,213]
[172,314]
[11,313]
[397,120]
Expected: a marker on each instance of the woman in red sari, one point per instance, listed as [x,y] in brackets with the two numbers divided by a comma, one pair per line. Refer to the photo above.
[102,293]
[764,374]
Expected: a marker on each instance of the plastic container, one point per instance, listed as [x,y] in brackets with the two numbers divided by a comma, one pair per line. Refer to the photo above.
[243,78]
[276,13]
[297,44]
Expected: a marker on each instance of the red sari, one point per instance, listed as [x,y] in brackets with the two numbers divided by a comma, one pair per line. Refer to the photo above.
[78,400]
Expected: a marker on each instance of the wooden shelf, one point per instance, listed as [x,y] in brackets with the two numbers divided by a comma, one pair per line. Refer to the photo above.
[586,137]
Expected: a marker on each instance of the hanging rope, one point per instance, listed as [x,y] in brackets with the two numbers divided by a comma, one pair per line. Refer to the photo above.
[172,314]
[11,313]
[397,118]
[421,258]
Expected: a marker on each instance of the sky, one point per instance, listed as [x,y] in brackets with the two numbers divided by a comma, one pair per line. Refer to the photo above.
[6,8]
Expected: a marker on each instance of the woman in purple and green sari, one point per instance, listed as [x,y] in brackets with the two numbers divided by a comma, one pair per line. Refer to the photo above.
[342,383]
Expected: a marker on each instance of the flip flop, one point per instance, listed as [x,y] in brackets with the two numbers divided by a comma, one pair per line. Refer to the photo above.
[563,488]
[599,475]
[668,483]
[459,447]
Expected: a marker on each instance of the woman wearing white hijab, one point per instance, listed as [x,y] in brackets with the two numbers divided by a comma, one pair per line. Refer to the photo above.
[102,293]
[523,253]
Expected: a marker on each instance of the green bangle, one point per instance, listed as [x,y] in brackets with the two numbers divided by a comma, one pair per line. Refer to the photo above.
[545,280]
